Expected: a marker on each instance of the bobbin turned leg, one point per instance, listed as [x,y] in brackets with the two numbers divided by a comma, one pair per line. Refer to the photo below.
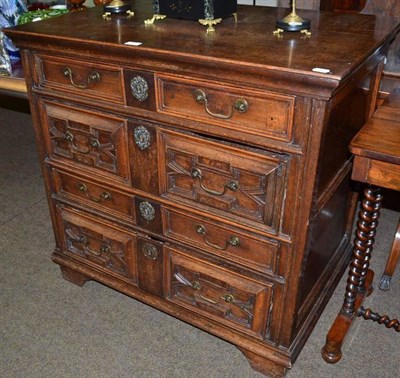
[360,277]
[368,314]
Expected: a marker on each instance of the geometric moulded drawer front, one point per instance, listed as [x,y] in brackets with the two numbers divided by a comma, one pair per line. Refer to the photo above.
[87,140]
[223,296]
[98,245]
[222,178]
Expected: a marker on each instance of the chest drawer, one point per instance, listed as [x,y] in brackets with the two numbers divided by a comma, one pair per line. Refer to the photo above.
[236,182]
[228,243]
[100,197]
[255,112]
[81,78]
[89,140]
[99,245]
[224,296]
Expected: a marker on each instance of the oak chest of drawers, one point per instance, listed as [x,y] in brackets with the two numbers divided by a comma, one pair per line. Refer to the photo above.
[205,174]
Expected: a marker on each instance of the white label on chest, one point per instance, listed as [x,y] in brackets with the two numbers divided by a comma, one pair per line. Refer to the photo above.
[321,70]
[132,43]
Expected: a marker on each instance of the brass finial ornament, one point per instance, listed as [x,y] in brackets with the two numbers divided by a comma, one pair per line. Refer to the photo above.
[117,7]
[293,23]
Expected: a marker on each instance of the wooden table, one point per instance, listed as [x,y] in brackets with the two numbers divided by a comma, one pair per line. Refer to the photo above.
[376,150]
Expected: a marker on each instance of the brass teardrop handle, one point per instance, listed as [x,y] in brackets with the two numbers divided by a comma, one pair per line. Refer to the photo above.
[103,196]
[93,142]
[240,105]
[231,184]
[233,241]
[93,77]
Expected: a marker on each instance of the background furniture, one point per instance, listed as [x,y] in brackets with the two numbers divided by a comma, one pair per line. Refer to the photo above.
[391,74]
[376,150]
[14,85]
[205,176]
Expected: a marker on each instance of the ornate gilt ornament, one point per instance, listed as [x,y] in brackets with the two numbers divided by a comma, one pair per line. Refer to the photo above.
[142,137]
[140,88]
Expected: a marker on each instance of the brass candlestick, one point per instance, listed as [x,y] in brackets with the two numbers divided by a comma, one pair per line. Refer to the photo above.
[293,22]
[116,7]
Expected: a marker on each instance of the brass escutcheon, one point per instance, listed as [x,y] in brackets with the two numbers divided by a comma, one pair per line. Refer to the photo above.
[139,88]
[150,251]
[147,211]
[142,137]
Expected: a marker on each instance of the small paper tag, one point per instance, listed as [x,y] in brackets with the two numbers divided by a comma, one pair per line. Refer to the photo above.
[132,43]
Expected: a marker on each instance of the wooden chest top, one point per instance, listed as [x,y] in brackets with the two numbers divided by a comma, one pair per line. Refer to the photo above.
[339,42]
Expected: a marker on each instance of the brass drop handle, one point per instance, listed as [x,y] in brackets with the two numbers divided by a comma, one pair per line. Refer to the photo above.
[93,77]
[93,142]
[104,248]
[195,285]
[103,196]
[233,241]
[231,184]
[240,105]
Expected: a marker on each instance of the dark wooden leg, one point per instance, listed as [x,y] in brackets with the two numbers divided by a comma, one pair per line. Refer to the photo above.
[368,314]
[391,263]
[360,277]
[263,365]
[73,276]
